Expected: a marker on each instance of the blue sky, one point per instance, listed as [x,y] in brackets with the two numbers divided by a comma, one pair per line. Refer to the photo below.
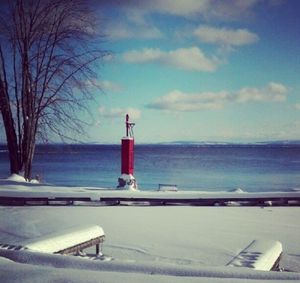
[199,70]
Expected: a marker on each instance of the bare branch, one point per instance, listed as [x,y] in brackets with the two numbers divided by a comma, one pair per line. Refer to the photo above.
[49,48]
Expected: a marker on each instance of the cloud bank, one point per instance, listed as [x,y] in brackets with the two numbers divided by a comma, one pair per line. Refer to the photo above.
[104,85]
[190,59]
[297,106]
[120,31]
[119,112]
[208,9]
[225,36]
[183,102]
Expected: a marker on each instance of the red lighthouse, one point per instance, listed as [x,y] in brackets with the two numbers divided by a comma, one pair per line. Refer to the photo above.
[127,180]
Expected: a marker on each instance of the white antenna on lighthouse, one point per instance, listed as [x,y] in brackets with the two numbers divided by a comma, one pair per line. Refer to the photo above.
[129,127]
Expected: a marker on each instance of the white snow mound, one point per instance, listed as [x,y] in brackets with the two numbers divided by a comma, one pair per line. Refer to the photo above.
[16,178]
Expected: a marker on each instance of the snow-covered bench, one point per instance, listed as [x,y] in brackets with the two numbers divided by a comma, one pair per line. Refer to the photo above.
[259,255]
[71,241]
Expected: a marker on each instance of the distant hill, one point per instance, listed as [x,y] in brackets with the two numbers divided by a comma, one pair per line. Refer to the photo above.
[182,142]
[278,142]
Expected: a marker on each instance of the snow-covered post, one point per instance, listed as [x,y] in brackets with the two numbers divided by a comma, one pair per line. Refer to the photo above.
[127,180]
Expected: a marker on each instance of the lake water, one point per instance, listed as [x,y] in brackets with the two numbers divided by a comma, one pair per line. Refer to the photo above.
[190,167]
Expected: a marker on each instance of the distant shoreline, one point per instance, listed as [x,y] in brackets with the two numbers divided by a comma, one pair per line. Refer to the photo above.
[182,143]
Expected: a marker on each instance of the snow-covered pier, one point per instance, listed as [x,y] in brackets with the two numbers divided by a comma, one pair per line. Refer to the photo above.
[20,193]
[154,198]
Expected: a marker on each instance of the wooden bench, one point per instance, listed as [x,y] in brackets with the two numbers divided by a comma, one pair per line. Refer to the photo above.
[167,188]
[260,255]
[72,241]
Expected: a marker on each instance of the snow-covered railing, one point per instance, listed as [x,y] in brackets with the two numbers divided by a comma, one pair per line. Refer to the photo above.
[71,241]
[259,255]
[173,197]
[12,193]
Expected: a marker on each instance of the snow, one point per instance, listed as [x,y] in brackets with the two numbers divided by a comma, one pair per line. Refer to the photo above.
[17,189]
[16,272]
[147,244]
[127,177]
[130,182]
[238,190]
[167,188]
[21,179]
[16,178]
[65,239]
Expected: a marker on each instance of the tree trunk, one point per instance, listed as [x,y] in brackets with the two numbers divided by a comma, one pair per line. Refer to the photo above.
[28,150]
[11,137]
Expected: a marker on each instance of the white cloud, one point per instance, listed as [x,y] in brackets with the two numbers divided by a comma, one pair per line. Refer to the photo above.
[144,56]
[231,9]
[225,36]
[297,106]
[179,7]
[191,59]
[110,86]
[277,88]
[118,31]
[104,85]
[136,19]
[182,102]
[120,112]
[208,9]
[274,92]
[283,131]
[124,31]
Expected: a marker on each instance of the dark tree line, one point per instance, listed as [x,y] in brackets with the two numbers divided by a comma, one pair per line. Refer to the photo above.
[48,51]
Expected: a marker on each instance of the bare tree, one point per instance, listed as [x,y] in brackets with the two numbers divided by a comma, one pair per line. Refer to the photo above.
[48,49]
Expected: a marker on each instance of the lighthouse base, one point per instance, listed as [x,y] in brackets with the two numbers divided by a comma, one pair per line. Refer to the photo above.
[127,182]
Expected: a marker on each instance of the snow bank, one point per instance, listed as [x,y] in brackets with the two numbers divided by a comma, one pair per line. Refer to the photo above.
[147,269]
[16,178]
[238,190]
[20,179]
[27,273]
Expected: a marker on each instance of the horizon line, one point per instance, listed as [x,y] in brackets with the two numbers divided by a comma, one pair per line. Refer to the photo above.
[274,142]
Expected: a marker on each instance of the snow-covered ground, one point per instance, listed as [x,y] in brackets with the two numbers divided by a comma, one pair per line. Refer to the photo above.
[148,244]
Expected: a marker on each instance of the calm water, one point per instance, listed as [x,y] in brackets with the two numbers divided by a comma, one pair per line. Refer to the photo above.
[252,168]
